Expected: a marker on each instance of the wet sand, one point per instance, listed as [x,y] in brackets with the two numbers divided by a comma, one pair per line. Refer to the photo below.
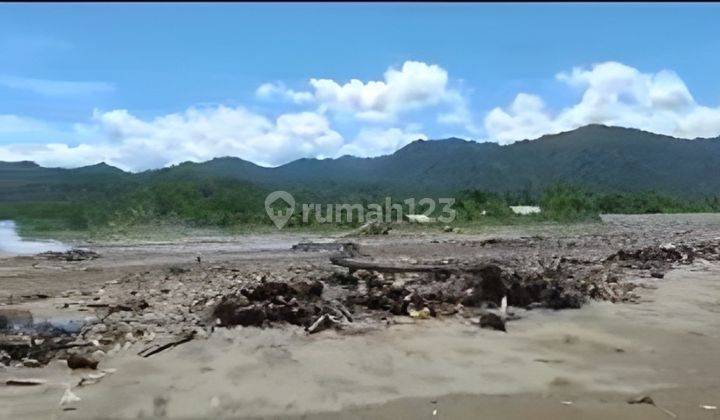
[576,363]
[551,364]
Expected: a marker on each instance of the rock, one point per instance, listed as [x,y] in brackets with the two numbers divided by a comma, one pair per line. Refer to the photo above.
[308,288]
[447,229]
[76,361]
[268,290]
[30,363]
[123,327]
[492,321]
[5,358]
[418,218]
[487,286]
[72,255]
[230,314]
[643,399]
[98,355]
[374,228]
[424,313]
[657,274]
[668,247]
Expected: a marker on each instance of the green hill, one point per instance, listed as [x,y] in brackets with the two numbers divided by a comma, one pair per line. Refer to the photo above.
[599,158]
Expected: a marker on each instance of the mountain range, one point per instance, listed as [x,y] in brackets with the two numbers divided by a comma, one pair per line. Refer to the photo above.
[596,157]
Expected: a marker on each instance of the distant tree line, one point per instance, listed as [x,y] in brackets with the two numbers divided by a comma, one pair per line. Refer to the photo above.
[216,202]
[564,202]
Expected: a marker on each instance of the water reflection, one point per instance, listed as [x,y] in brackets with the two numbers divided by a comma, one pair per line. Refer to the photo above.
[11,243]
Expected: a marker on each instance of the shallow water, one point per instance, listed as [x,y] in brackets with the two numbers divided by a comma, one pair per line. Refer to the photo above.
[12,244]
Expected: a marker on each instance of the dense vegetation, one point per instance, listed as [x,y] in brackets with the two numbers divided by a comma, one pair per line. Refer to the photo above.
[229,203]
[572,176]
[564,203]
[211,202]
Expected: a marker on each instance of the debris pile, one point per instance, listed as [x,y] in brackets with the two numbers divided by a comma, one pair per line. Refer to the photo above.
[262,304]
[558,284]
[374,228]
[71,255]
[158,310]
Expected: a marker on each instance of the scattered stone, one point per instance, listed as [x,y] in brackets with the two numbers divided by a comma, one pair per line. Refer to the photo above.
[71,255]
[643,399]
[657,274]
[30,363]
[374,228]
[424,313]
[418,218]
[76,361]
[492,321]
[319,247]
[230,314]
[5,358]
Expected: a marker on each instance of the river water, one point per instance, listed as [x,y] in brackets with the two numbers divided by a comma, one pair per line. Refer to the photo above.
[12,244]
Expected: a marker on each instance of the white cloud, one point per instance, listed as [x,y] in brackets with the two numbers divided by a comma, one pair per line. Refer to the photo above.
[13,124]
[415,85]
[195,134]
[377,142]
[57,154]
[198,135]
[278,90]
[613,94]
[55,87]
[378,111]
[459,114]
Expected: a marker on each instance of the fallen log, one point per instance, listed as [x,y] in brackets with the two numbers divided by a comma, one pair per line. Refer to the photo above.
[155,349]
[354,264]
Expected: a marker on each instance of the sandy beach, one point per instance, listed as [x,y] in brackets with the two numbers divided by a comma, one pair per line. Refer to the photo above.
[582,363]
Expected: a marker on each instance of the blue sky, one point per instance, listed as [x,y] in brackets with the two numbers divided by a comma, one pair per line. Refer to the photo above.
[147,85]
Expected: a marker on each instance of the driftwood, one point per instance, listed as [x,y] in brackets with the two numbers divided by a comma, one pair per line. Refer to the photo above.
[155,349]
[354,264]
[25,382]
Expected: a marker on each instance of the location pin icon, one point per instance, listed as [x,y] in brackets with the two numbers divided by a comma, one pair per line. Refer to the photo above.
[280,217]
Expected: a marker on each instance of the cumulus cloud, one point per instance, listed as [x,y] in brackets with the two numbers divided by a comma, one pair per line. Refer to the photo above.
[278,91]
[372,142]
[413,86]
[195,134]
[379,112]
[613,94]
[55,87]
